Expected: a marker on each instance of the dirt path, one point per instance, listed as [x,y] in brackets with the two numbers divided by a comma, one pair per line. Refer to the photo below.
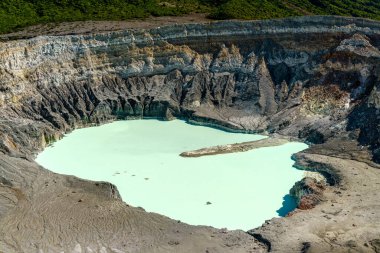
[85,27]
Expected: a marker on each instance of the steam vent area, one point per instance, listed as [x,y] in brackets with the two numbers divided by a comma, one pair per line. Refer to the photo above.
[224,136]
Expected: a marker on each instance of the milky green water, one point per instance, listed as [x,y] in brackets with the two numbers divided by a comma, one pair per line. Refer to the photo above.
[142,159]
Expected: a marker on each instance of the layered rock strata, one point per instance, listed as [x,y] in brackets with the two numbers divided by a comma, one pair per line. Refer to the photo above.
[311,78]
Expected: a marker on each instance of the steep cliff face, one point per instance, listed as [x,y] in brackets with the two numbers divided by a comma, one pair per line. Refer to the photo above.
[313,78]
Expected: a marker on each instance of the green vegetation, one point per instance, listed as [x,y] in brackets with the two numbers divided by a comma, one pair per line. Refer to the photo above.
[264,9]
[15,14]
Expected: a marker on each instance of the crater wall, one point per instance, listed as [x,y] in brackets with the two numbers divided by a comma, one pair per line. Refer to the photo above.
[312,78]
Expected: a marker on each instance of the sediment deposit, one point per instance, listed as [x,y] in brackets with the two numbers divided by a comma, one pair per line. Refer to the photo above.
[315,79]
[235,147]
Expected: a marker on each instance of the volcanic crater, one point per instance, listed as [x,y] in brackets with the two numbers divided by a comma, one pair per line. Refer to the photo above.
[312,79]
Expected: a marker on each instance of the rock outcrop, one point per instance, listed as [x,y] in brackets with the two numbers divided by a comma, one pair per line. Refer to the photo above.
[308,193]
[311,78]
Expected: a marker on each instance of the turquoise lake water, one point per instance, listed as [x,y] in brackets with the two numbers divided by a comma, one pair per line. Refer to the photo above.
[141,157]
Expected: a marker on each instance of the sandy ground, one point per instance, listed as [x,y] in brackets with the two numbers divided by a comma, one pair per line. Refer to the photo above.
[347,219]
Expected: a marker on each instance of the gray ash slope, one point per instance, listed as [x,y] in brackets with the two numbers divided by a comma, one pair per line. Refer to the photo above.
[311,78]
